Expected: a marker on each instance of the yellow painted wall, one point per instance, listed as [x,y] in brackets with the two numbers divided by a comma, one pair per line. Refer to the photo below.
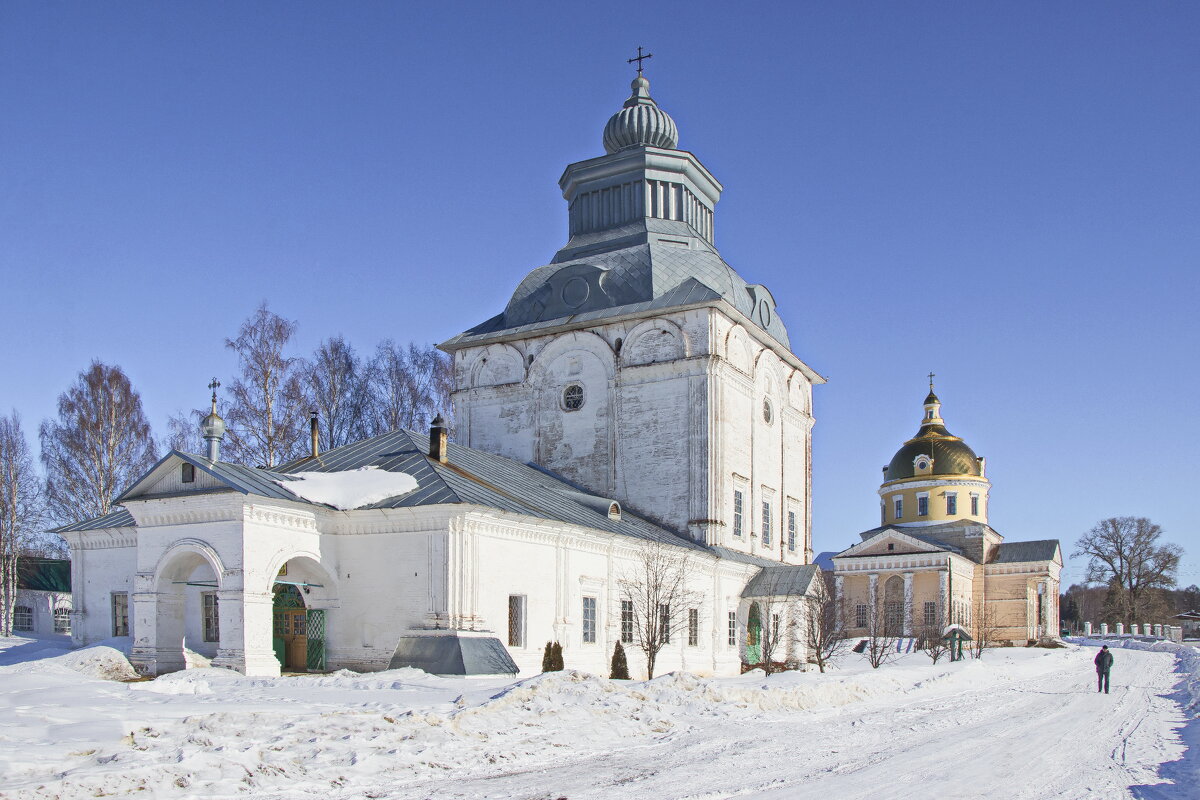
[937,501]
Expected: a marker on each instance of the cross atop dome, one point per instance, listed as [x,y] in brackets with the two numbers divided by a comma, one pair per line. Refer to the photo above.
[640,58]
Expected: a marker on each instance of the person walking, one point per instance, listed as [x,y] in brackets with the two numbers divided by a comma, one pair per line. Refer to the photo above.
[1104,662]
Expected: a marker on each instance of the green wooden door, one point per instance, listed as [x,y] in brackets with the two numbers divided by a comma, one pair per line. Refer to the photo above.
[754,636]
[316,640]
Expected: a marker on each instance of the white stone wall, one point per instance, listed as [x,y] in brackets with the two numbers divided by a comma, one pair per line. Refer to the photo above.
[672,420]
[42,604]
[102,562]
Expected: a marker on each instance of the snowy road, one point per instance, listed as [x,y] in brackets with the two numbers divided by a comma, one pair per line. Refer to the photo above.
[1021,723]
[1049,735]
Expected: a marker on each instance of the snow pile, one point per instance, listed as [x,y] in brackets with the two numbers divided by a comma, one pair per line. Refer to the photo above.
[352,488]
[98,661]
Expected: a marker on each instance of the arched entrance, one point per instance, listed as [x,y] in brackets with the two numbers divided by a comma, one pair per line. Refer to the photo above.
[301,594]
[186,610]
[754,635]
[893,606]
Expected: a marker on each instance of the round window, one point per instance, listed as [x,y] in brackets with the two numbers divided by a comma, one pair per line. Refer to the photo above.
[572,398]
[768,414]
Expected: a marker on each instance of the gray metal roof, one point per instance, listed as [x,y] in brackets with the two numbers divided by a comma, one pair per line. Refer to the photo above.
[781,581]
[117,518]
[627,270]
[471,476]
[1018,552]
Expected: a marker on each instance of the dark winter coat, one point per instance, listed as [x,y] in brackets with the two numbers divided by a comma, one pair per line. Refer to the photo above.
[1104,661]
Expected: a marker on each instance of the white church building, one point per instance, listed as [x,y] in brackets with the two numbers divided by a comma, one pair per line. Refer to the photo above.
[635,393]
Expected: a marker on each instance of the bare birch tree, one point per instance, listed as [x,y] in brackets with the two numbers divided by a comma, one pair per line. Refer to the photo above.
[183,431]
[408,386]
[266,415]
[21,511]
[658,592]
[933,641]
[824,624]
[97,447]
[984,628]
[1124,553]
[335,386]
[881,636]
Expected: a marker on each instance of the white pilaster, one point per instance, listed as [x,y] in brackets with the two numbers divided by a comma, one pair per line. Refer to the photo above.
[908,604]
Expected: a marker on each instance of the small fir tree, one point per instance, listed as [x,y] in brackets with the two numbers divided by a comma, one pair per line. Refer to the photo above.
[620,668]
[556,657]
[548,658]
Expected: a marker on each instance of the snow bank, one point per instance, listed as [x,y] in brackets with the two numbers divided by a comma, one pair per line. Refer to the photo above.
[352,488]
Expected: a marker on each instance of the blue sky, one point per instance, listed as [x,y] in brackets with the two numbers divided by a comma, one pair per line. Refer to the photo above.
[1007,194]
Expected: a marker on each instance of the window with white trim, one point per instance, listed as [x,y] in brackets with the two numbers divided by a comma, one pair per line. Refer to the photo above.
[589,620]
[516,620]
[693,627]
[930,613]
[626,621]
[922,505]
[62,620]
[738,499]
[22,618]
[860,615]
[212,618]
[120,613]
[732,641]
[664,623]
[974,505]
[792,531]
[766,523]
[951,503]
[898,505]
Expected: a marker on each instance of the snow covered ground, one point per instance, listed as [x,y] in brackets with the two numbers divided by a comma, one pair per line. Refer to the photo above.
[1021,723]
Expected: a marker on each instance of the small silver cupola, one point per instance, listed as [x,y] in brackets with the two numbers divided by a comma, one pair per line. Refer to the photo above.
[212,429]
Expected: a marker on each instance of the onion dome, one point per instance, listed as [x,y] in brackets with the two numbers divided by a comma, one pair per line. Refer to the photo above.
[950,455]
[213,427]
[641,123]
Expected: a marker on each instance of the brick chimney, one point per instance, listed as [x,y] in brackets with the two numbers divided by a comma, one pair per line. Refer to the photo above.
[438,440]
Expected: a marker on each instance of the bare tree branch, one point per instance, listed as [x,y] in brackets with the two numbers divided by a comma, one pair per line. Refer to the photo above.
[21,511]
[824,628]
[658,592]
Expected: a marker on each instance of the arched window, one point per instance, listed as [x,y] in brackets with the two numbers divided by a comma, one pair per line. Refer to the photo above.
[62,620]
[22,618]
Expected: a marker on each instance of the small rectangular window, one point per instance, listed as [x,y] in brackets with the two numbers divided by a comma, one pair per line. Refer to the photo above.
[792,531]
[516,620]
[188,473]
[120,614]
[930,613]
[62,620]
[951,504]
[737,512]
[899,506]
[212,620]
[922,505]
[974,505]
[589,620]
[733,629]
[22,619]
[664,623]
[626,621]
[766,524]
[860,615]
[693,627]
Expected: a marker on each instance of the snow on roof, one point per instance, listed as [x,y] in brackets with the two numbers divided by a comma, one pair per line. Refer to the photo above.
[349,489]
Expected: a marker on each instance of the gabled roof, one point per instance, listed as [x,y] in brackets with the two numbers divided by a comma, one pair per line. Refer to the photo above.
[471,477]
[922,543]
[786,580]
[1019,552]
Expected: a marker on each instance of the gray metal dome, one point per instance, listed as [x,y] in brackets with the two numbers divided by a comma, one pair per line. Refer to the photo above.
[641,123]
[213,427]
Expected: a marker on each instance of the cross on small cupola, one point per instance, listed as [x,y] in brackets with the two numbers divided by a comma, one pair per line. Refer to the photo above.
[640,58]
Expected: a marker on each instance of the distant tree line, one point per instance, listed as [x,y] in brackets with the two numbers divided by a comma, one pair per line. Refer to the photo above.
[100,441]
